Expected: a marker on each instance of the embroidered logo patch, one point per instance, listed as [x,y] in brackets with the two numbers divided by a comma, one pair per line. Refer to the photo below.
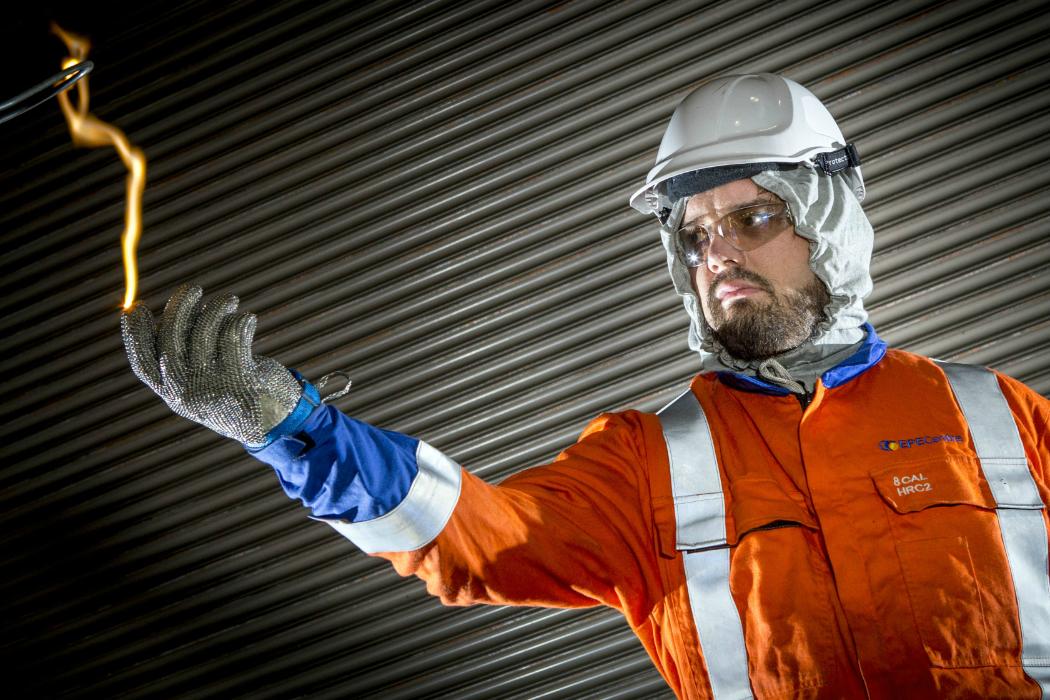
[922,440]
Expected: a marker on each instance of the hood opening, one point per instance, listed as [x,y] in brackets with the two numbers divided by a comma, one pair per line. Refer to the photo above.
[828,214]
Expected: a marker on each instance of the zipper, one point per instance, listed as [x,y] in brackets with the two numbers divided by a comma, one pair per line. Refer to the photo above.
[804,398]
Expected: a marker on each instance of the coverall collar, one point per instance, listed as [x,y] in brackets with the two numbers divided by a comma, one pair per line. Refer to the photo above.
[868,353]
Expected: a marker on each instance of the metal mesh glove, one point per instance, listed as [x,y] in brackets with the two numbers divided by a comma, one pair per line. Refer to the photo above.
[199,360]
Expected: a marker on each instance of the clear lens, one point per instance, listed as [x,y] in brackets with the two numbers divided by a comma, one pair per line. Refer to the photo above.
[693,242]
[745,229]
[752,227]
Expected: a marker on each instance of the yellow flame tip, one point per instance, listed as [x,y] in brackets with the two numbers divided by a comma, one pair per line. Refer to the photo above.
[87,130]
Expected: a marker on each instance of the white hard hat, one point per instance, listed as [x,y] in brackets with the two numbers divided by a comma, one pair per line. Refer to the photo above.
[741,125]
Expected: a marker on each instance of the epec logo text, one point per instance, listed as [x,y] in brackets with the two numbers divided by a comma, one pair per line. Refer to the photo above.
[894,445]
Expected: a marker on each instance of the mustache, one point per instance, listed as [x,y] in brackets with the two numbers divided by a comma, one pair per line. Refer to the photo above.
[738,275]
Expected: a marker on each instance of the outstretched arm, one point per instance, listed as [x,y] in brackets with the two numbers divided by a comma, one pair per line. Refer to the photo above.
[576,532]
[569,534]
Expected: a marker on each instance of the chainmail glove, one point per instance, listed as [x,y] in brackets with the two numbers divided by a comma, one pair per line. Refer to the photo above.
[199,360]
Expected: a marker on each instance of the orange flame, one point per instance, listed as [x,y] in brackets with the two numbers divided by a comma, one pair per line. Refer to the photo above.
[89,132]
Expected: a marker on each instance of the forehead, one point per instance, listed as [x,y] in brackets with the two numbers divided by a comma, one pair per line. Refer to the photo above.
[725,198]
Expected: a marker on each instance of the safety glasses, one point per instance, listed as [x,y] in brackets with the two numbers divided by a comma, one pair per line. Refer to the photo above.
[745,229]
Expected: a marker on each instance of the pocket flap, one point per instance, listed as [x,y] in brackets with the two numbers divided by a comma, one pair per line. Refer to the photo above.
[760,504]
[949,480]
[752,504]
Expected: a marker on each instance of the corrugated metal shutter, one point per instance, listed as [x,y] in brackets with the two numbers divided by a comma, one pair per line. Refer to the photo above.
[433,196]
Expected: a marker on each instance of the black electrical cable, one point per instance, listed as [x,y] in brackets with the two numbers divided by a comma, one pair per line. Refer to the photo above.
[9,109]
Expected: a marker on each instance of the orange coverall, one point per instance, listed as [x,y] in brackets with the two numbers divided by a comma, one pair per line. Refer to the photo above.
[849,583]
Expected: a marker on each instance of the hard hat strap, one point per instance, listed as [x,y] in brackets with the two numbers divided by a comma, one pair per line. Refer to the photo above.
[837,161]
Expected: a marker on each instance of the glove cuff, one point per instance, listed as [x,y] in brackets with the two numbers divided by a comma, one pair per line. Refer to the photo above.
[291,424]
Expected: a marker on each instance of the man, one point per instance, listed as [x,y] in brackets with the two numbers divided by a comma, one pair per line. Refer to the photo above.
[816,516]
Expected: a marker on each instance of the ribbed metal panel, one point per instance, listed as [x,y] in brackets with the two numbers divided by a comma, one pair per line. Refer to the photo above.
[432,195]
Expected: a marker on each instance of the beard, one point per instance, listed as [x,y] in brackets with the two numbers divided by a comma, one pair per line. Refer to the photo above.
[757,329]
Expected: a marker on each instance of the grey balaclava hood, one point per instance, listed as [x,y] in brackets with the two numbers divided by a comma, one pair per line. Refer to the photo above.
[827,214]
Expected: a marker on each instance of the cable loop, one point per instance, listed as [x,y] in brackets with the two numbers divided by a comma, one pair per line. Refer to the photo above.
[342,392]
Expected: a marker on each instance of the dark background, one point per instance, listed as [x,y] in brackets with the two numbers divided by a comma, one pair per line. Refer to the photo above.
[433,196]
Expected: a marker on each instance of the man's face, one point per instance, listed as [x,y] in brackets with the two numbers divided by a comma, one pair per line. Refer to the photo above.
[761,302]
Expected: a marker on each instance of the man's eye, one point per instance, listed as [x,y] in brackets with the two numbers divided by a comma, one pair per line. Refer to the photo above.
[756,218]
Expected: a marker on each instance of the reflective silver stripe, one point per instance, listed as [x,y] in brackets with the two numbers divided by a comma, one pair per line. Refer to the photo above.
[420,517]
[699,508]
[1018,507]
[700,524]
[717,622]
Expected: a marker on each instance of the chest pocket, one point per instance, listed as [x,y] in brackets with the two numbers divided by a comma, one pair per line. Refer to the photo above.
[696,516]
[931,499]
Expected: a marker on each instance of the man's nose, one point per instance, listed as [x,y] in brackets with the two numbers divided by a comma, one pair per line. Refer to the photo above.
[721,255]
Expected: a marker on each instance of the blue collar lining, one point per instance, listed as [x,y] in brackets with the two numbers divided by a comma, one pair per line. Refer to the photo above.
[867,356]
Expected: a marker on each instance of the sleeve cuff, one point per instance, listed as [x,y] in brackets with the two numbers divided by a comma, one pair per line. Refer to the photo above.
[420,517]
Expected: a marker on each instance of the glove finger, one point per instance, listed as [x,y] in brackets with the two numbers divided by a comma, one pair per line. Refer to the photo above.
[204,340]
[235,345]
[180,313]
[140,343]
